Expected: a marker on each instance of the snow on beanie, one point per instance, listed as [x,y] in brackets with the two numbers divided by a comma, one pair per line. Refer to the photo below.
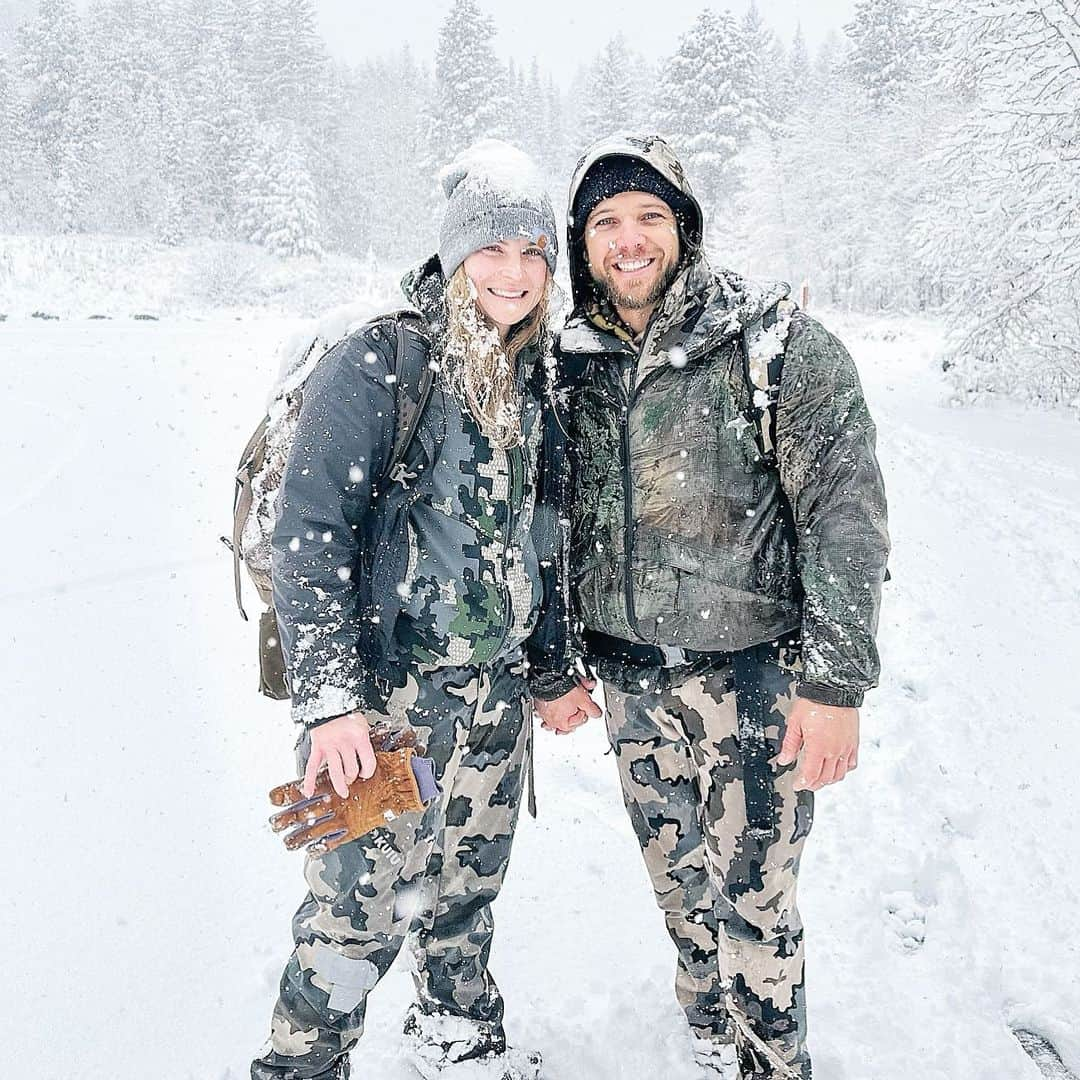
[494,192]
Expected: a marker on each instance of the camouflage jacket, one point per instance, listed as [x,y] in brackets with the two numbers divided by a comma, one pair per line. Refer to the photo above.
[684,533]
[436,564]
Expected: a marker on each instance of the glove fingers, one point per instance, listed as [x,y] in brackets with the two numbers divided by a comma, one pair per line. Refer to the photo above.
[287,793]
[293,791]
[306,811]
[330,841]
[317,830]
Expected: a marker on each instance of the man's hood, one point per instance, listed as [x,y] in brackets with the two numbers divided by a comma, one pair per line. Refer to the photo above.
[651,150]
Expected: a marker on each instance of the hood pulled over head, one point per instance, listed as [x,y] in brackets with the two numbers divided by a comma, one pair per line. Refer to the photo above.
[627,162]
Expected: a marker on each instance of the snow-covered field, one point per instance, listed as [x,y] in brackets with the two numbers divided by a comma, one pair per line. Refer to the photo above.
[148,903]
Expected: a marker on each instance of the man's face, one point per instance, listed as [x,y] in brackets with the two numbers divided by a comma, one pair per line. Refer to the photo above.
[632,244]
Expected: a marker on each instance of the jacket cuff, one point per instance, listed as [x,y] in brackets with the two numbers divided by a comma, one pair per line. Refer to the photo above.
[329,701]
[830,695]
[549,685]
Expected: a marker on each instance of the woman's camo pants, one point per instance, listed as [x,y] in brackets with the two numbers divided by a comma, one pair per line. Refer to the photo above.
[728,897]
[431,877]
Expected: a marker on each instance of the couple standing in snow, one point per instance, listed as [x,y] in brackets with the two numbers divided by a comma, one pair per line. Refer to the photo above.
[679,495]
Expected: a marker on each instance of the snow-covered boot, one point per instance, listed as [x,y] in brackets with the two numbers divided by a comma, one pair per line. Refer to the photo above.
[443,1047]
[717,1060]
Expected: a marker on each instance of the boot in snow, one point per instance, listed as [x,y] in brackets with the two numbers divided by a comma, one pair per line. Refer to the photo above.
[717,1060]
[443,1047]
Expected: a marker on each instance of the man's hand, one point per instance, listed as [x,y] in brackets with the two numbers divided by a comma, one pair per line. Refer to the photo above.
[828,736]
[570,711]
[344,746]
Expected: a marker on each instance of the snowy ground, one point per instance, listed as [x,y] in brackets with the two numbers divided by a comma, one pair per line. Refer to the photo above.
[148,903]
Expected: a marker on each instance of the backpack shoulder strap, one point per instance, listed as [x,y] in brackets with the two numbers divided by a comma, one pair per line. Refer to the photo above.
[414,382]
[764,345]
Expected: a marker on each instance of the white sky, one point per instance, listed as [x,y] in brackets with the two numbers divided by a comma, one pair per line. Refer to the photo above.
[560,33]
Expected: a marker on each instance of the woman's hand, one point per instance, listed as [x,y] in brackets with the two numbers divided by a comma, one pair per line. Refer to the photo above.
[344,746]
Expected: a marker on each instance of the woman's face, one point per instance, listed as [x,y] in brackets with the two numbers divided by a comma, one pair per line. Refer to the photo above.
[510,278]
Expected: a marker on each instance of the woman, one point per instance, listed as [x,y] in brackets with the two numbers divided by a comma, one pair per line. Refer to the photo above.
[406,601]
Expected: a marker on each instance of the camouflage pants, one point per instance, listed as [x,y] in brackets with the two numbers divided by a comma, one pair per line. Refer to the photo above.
[428,877]
[728,895]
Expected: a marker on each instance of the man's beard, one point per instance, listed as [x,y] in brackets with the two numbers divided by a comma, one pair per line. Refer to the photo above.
[610,291]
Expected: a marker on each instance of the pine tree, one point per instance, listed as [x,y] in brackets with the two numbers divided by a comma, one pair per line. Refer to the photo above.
[886,48]
[470,86]
[290,65]
[556,154]
[12,135]
[706,107]
[280,206]
[58,120]
[533,107]
[612,93]
[797,75]
[763,63]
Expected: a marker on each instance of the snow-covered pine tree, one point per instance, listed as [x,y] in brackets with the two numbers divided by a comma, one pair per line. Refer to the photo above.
[1005,231]
[290,65]
[706,107]
[470,86]
[557,156]
[12,151]
[612,93]
[764,63]
[533,104]
[58,120]
[279,207]
[886,46]
[209,57]
[378,193]
[796,79]
[126,65]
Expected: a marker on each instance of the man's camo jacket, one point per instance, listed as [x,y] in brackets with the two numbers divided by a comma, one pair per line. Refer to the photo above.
[684,533]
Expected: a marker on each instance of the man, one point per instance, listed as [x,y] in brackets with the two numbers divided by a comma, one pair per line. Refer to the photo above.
[728,549]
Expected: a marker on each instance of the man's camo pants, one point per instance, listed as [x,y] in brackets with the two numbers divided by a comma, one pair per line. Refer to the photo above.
[431,877]
[727,895]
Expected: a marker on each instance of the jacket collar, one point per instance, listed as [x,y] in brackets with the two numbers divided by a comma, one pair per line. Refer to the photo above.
[700,311]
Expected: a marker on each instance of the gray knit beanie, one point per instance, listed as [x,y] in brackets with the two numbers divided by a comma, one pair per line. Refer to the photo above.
[494,192]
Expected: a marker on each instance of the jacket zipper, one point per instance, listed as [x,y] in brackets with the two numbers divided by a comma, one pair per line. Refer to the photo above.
[513,481]
[628,399]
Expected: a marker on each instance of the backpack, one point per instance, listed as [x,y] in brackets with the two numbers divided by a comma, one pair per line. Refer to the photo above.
[262,466]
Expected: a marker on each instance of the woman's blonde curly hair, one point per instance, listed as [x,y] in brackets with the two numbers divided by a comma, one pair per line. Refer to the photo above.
[479,369]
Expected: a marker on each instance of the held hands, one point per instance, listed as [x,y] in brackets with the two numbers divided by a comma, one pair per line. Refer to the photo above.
[344,746]
[570,711]
[828,736]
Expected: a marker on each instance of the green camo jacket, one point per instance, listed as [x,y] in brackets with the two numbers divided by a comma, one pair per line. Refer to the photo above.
[684,533]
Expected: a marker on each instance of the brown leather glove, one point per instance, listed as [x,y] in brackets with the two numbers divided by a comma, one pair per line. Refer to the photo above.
[327,820]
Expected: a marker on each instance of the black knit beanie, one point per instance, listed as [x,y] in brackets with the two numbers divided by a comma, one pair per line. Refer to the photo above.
[613,175]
